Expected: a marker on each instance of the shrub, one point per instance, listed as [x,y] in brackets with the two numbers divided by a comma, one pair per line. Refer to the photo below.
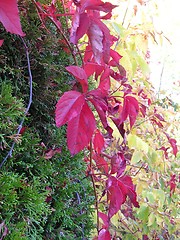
[43,195]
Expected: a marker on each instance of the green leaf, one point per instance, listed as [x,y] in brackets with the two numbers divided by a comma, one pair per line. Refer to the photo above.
[121,31]
[150,197]
[143,212]
[136,157]
[135,142]
[160,197]
[143,65]
[151,219]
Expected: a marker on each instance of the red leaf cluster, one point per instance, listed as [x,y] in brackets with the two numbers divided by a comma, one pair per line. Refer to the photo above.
[117,191]
[173,144]
[172,184]
[87,20]
[130,109]
[73,110]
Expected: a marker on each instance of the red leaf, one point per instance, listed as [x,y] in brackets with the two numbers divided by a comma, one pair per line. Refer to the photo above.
[80,26]
[115,58]
[90,68]
[1,42]
[100,39]
[98,141]
[23,129]
[159,117]
[104,235]
[113,105]
[68,107]
[95,35]
[173,143]
[72,109]
[80,75]
[115,196]
[104,84]
[119,125]
[118,164]
[9,16]
[101,163]
[118,189]
[172,184]
[48,199]
[101,107]
[107,16]
[97,5]
[105,219]
[80,129]
[88,55]
[52,152]
[131,109]
[145,237]
[165,151]
[158,123]
[130,189]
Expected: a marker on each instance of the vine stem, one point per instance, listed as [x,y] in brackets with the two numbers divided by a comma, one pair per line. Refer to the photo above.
[27,108]
[78,50]
[94,188]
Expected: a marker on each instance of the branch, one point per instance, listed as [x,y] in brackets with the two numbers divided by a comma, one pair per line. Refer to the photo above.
[81,212]
[123,21]
[27,109]
[160,80]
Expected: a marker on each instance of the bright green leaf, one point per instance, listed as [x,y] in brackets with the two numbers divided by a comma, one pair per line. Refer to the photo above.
[135,142]
[151,219]
[136,157]
[143,212]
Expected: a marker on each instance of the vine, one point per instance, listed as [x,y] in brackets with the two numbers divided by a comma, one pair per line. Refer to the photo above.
[92,115]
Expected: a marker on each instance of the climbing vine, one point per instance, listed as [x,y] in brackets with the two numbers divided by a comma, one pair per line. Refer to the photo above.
[111,120]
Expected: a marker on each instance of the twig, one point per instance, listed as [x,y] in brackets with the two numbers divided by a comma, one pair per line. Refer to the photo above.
[28,107]
[80,55]
[81,212]
[160,80]
[122,221]
[125,14]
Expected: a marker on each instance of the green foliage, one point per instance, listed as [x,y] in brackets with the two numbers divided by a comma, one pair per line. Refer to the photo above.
[49,197]
[41,197]
[11,109]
